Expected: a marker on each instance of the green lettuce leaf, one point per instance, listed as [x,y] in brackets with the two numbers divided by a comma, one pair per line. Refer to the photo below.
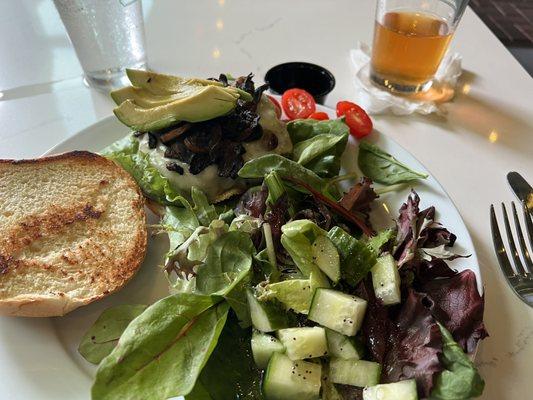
[181,220]
[383,168]
[179,223]
[229,259]
[204,211]
[318,145]
[198,248]
[227,271]
[154,185]
[377,242]
[101,338]
[357,259]
[128,145]
[460,379]
[163,350]
[246,223]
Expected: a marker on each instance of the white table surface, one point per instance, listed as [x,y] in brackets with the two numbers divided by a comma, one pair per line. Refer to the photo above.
[487,131]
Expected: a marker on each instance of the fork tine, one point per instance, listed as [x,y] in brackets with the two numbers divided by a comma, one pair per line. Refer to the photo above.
[522,243]
[529,223]
[514,252]
[501,253]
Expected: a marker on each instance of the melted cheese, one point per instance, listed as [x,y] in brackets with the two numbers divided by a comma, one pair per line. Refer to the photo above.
[208,180]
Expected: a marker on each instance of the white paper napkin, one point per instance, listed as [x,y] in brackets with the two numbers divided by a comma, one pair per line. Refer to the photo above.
[375,100]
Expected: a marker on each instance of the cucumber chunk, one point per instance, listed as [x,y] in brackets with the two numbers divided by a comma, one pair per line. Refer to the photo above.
[266,316]
[386,280]
[345,347]
[354,372]
[329,390]
[301,343]
[326,257]
[404,390]
[295,294]
[291,380]
[339,311]
[263,346]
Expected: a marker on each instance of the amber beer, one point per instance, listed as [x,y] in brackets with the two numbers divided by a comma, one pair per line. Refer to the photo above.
[408,48]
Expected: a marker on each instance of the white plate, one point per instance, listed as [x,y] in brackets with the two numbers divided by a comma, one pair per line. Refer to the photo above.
[39,358]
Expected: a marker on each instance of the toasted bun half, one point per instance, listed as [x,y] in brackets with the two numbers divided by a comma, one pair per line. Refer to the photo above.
[72,230]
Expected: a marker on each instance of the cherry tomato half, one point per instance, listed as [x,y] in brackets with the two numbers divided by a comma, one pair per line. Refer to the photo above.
[343,106]
[319,115]
[297,103]
[356,118]
[276,105]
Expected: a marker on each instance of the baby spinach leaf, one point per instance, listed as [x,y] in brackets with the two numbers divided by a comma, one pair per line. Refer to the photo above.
[102,337]
[259,167]
[231,372]
[321,154]
[460,379]
[357,259]
[303,129]
[199,392]
[383,168]
[318,145]
[162,351]
[275,186]
[236,298]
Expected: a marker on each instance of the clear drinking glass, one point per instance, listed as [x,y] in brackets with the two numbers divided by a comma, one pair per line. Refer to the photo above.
[108,36]
[410,40]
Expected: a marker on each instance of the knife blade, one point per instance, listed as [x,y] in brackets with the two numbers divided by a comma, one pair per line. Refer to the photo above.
[521,189]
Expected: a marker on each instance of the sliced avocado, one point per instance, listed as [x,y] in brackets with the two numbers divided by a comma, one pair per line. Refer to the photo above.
[141,97]
[201,104]
[162,84]
[146,99]
[159,84]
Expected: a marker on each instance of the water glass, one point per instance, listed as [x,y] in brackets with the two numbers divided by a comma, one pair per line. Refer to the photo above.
[411,38]
[108,37]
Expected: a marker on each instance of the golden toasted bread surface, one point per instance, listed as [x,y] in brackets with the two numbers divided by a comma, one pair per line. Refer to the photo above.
[72,230]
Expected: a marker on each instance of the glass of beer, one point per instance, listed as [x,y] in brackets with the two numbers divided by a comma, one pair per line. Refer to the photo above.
[410,40]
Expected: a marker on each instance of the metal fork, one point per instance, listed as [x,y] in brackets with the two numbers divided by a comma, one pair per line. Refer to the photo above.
[519,277]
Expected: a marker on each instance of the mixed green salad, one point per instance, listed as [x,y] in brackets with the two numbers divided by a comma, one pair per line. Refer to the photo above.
[285,290]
